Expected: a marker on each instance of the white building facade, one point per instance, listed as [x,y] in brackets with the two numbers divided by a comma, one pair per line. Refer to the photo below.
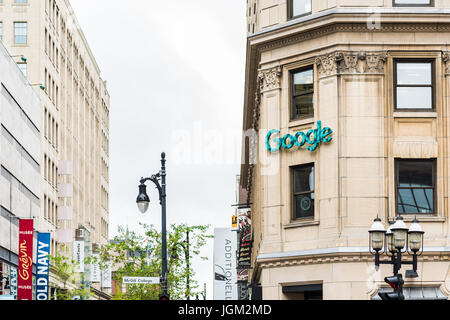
[20,187]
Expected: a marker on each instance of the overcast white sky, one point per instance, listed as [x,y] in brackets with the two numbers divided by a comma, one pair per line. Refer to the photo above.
[175,73]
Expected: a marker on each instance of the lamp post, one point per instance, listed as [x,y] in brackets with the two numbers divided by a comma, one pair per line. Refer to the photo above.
[397,239]
[143,202]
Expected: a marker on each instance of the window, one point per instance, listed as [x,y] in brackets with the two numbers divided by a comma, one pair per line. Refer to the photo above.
[20,1]
[303,187]
[1,31]
[302,93]
[23,68]
[299,8]
[20,32]
[416,184]
[413,3]
[414,84]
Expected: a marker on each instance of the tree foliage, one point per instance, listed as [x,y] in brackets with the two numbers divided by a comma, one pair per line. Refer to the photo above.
[139,255]
[64,268]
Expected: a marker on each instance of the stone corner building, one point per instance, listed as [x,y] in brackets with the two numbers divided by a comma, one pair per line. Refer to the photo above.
[377,73]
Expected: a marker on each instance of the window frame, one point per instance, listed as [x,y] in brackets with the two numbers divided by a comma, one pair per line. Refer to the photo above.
[432,61]
[15,35]
[433,161]
[290,12]
[292,90]
[431,4]
[294,194]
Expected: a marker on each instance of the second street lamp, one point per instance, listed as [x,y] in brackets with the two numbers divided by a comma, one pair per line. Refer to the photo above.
[143,202]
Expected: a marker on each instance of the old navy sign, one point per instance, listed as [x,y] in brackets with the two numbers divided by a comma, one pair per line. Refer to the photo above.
[42,266]
[313,138]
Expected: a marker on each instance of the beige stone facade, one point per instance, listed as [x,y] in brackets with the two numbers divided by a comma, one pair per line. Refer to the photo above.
[352,46]
[75,118]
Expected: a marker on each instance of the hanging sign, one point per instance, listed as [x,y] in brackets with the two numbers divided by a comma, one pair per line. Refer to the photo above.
[78,255]
[225,277]
[107,276]
[25,279]
[42,266]
[234,222]
[313,138]
[95,269]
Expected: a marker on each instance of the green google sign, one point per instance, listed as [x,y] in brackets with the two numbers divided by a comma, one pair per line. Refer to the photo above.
[313,138]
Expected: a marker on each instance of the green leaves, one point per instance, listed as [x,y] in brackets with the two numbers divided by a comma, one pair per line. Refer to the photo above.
[139,255]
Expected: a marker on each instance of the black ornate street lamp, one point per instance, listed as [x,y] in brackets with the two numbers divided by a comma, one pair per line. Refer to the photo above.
[396,240]
[143,202]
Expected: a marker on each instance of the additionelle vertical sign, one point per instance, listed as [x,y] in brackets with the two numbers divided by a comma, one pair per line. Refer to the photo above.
[42,266]
[225,278]
[25,279]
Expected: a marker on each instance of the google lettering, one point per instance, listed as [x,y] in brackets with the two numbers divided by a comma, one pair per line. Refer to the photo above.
[313,138]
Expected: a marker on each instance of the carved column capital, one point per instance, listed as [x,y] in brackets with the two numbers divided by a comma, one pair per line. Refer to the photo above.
[351,62]
[446,60]
[269,79]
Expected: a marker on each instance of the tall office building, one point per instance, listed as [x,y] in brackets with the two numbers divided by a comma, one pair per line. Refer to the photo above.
[351,116]
[20,123]
[51,50]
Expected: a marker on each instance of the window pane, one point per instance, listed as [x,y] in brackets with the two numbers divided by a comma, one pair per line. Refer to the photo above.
[304,179]
[303,82]
[414,98]
[415,174]
[412,1]
[300,7]
[415,201]
[414,73]
[20,32]
[303,105]
[304,206]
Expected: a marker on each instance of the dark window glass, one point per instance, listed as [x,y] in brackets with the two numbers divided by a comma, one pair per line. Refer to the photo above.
[413,2]
[303,187]
[414,85]
[303,93]
[416,186]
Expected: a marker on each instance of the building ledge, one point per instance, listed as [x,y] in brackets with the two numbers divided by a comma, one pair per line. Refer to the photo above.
[301,223]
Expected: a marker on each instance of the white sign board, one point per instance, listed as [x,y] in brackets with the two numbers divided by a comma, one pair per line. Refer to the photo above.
[140,280]
[225,274]
[95,269]
[78,255]
[107,277]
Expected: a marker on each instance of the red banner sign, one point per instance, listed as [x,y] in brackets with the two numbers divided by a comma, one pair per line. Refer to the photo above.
[25,276]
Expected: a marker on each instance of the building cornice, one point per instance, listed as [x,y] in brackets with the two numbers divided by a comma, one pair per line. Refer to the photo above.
[335,255]
[386,16]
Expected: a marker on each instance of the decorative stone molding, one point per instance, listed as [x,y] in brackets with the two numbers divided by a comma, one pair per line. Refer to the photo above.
[446,60]
[351,62]
[352,27]
[269,79]
[338,258]
[375,62]
[418,149]
[327,64]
